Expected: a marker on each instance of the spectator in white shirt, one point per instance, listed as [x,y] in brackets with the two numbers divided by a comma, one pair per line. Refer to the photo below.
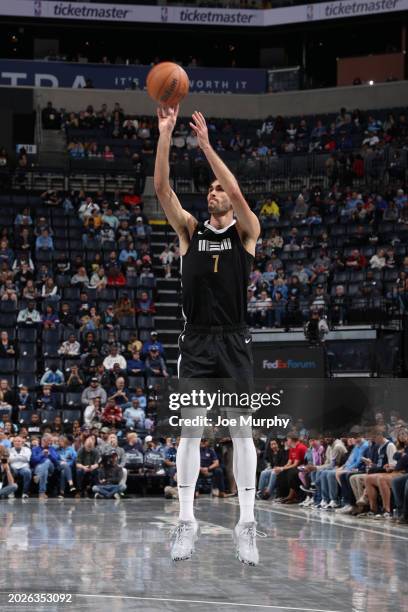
[113,358]
[70,347]
[19,460]
[93,412]
[377,261]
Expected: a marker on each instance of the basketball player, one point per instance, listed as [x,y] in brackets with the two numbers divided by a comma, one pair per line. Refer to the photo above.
[216,259]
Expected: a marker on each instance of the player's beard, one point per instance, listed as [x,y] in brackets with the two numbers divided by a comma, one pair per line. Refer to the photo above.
[218,209]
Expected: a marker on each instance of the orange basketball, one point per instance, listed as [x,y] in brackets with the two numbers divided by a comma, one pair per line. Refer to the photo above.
[167,83]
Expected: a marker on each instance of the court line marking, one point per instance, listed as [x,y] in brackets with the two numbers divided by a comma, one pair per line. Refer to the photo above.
[204,601]
[316,520]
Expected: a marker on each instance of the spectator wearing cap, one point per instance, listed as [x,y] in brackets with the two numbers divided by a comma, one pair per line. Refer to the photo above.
[134,414]
[114,357]
[140,230]
[154,341]
[19,460]
[110,475]
[87,464]
[44,461]
[155,364]
[94,390]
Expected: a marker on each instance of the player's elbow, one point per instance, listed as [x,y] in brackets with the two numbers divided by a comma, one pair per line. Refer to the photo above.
[235,194]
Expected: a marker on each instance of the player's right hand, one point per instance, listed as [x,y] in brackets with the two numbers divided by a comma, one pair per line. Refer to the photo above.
[167,117]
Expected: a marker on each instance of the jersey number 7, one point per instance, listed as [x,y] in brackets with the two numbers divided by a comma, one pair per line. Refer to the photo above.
[216,258]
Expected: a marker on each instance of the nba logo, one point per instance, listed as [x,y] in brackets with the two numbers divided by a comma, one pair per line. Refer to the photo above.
[309,12]
[164,13]
[37,8]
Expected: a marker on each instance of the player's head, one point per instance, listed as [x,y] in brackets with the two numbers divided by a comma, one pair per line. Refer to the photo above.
[219,203]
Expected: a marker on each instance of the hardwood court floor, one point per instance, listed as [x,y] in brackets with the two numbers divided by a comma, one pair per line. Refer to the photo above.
[114,556]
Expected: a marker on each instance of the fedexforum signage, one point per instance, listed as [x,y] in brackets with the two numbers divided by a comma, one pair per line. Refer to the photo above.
[199,16]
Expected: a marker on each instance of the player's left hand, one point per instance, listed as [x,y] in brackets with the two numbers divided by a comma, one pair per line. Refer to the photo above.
[200,128]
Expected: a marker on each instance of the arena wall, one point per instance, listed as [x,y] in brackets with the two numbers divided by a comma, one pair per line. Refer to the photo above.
[308,102]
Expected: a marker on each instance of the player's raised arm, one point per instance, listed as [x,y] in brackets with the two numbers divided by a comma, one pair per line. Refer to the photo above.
[248,221]
[182,222]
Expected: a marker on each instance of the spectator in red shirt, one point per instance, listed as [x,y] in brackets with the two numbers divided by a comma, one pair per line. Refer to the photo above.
[116,278]
[356,261]
[112,414]
[287,482]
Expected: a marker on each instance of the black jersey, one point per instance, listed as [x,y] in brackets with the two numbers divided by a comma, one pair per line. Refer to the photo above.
[215,272]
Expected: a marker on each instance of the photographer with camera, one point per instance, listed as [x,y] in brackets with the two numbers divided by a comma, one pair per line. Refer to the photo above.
[7,485]
[316,328]
[110,475]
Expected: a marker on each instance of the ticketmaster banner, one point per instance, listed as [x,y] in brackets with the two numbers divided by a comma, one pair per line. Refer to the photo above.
[64,74]
[199,16]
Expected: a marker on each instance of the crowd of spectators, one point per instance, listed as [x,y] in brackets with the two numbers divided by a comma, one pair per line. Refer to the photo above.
[352,144]
[338,252]
[78,348]
[364,474]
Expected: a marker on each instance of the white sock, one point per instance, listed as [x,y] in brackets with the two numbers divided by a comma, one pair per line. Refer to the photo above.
[188,468]
[245,460]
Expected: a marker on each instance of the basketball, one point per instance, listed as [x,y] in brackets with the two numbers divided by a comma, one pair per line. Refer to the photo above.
[167,83]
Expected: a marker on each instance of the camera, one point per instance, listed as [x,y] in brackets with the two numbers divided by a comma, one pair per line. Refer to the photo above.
[4,460]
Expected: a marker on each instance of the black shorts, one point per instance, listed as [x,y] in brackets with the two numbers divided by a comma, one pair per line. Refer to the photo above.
[216,352]
[221,357]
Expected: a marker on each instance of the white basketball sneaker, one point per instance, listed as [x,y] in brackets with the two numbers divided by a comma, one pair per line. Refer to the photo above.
[184,537]
[244,536]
